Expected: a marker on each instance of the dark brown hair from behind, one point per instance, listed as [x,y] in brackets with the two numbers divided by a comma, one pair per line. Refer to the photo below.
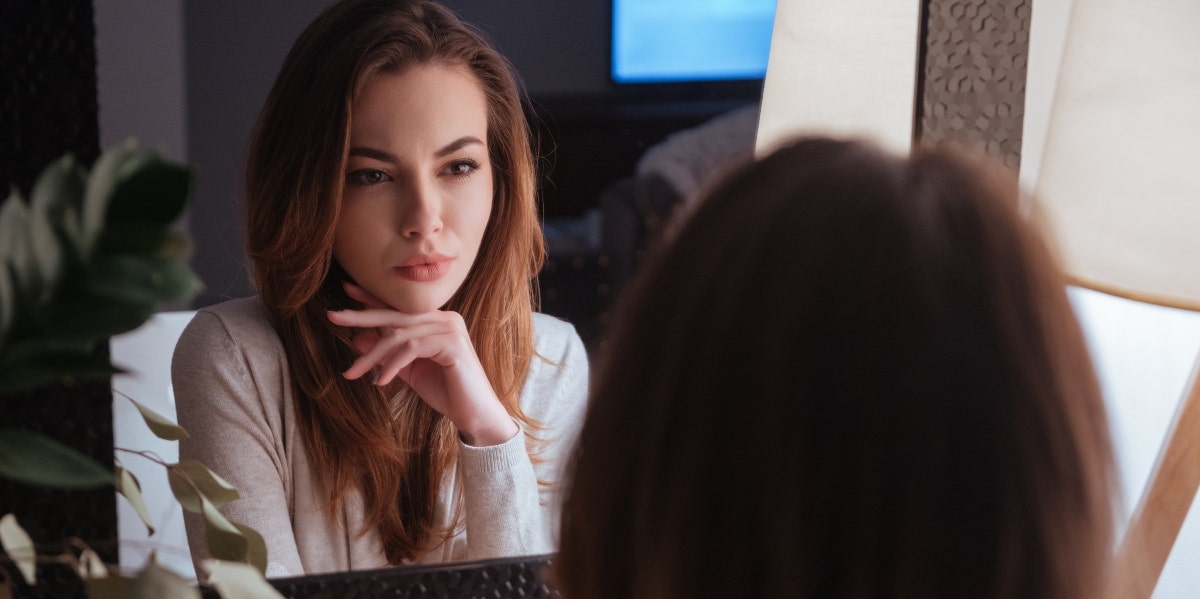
[851,375]
[394,452]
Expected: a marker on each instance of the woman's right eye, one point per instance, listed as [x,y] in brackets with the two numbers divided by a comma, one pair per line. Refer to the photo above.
[365,177]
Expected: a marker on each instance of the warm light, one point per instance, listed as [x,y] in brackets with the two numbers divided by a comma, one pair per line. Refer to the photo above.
[1120,178]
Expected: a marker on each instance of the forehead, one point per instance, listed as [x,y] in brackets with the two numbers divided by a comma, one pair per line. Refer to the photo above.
[423,100]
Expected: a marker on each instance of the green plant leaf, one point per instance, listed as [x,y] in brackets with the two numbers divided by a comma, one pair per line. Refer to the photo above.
[89,317]
[89,566]
[8,300]
[19,373]
[19,547]
[223,539]
[156,192]
[235,580]
[127,485]
[256,548]
[108,171]
[59,188]
[158,424]
[15,245]
[58,193]
[189,480]
[37,459]
[141,279]
[187,495]
[48,254]
[156,582]
[14,215]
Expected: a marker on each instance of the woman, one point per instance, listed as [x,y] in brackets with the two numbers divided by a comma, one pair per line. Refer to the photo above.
[866,381]
[389,396]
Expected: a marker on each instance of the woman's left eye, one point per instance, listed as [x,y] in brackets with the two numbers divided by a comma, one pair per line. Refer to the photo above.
[462,168]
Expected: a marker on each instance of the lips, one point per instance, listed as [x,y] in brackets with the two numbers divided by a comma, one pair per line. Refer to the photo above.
[423,269]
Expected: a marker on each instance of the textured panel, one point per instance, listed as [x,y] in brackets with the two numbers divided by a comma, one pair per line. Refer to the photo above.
[48,108]
[517,577]
[973,70]
[47,87]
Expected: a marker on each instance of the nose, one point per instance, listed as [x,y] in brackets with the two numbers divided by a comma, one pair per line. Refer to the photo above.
[421,211]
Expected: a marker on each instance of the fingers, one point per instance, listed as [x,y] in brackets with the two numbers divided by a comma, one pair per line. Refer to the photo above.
[364,341]
[361,295]
[396,348]
[401,361]
[373,318]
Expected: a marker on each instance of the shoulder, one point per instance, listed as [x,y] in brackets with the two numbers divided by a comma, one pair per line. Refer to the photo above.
[235,330]
[558,373]
[243,321]
[555,339]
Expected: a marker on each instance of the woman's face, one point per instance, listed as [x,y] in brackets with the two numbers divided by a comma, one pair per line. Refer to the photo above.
[418,186]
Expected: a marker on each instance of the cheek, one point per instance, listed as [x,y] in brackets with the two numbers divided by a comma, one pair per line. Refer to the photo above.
[351,238]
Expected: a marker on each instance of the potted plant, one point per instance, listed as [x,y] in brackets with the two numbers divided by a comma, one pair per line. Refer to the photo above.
[92,255]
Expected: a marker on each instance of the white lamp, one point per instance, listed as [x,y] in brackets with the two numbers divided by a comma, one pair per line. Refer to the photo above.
[1119,191]
[845,68]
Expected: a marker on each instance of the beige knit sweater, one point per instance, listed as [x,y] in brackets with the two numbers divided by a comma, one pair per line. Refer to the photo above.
[234,396]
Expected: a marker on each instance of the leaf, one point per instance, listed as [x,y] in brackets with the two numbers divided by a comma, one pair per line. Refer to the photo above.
[256,548]
[58,193]
[203,482]
[156,582]
[181,487]
[47,250]
[37,459]
[90,566]
[59,188]
[18,372]
[19,547]
[127,485]
[156,191]
[106,174]
[14,215]
[158,424]
[14,245]
[238,581]
[223,539]
[87,316]
[142,279]
[8,300]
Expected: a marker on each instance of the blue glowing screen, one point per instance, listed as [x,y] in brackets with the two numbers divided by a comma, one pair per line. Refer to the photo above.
[690,40]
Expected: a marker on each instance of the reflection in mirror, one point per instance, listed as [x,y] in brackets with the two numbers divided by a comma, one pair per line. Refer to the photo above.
[389,396]
[589,135]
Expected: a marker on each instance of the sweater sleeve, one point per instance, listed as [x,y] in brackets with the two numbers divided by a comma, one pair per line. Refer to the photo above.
[511,501]
[230,407]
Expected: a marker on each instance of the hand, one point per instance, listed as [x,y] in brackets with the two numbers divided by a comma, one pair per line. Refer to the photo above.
[432,352]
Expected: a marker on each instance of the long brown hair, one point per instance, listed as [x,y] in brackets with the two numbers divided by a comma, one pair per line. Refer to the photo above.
[852,375]
[394,452]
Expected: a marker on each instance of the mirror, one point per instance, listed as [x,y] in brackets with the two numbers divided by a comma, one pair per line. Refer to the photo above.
[191,79]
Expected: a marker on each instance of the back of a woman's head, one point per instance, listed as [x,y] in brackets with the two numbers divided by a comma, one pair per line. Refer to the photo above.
[851,375]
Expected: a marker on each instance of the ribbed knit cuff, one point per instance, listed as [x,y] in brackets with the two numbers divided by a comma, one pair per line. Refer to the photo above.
[494,458]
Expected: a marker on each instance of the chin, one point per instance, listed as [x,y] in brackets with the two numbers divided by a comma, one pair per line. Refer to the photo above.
[420,303]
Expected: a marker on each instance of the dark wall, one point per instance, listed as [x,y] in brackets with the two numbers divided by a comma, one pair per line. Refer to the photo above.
[234,50]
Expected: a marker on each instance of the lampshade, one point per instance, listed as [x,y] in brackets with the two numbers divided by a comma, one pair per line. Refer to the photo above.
[1119,187]
[846,68]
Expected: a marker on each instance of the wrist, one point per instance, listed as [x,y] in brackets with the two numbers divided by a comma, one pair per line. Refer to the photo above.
[491,430]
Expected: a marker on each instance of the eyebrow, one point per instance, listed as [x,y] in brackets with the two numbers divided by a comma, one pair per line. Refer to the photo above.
[383,156]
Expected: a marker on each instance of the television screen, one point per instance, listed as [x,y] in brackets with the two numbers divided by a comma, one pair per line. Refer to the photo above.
[659,41]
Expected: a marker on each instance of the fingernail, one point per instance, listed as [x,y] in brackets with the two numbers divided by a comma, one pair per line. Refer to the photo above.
[375,378]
